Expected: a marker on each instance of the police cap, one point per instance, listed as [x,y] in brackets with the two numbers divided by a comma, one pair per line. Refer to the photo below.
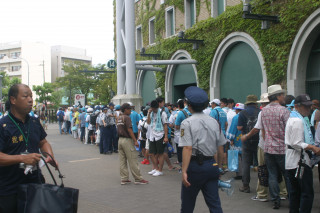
[196,96]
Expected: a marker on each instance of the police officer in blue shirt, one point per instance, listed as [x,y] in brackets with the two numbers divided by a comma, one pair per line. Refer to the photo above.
[20,134]
[201,139]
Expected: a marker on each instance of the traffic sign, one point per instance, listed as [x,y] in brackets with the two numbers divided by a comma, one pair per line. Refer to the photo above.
[111,64]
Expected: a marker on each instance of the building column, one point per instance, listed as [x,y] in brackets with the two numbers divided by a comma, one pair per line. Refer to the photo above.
[130,47]
[121,75]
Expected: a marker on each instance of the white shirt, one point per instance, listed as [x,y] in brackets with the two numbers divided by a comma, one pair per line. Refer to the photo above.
[154,135]
[207,110]
[172,120]
[90,127]
[143,123]
[259,126]
[294,136]
[230,114]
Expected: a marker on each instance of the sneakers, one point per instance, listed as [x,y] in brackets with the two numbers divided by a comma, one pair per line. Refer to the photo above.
[283,198]
[152,172]
[141,182]
[276,205]
[157,173]
[124,182]
[145,161]
[256,198]
[245,189]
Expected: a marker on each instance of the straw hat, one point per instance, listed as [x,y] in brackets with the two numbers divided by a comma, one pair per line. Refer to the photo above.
[275,89]
[264,98]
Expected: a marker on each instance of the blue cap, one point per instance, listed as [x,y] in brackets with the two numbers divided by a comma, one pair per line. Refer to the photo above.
[117,107]
[111,104]
[196,96]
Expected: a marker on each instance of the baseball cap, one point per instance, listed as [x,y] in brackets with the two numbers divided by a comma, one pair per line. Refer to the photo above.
[239,106]
[216,101]
[303,100]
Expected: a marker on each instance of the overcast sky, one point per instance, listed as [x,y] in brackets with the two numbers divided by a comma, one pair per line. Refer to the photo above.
[85,24]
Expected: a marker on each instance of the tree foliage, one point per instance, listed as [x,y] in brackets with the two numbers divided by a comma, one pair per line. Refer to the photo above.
[44,93]
[7,82]
[86,83]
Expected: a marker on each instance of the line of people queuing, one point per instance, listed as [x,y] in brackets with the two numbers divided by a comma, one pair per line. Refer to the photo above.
[276,138]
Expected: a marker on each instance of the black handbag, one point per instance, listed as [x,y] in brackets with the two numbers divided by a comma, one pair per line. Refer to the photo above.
[47,198]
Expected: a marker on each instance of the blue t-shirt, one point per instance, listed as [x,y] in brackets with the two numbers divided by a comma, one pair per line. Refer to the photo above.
[82,118]
[234,134]
[135,118]
[12,143]
[85,118]
[221,117]
[181,116]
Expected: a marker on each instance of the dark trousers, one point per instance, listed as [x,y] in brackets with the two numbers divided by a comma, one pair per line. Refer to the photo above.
[112,141]
[102,138]
[8,204]
[247,160]
[179,153]
[276,167]
[82,131]
[68,126]
[301,191]
[204,178]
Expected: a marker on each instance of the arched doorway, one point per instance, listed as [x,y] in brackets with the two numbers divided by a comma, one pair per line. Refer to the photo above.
[183,78]
[146,84]
[179,77]
[313,71]
[302,73]
[237,68]
[241,73]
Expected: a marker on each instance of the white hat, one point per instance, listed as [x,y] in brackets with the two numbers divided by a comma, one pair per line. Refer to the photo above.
[130,103]
[90,110]
[275,89]
[216,101]
[264,98]
[239,106]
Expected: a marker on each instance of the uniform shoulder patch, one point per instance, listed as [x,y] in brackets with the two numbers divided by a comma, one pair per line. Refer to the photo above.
[182,132]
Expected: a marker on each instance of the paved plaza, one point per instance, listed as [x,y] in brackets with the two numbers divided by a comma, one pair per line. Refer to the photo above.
[97,177]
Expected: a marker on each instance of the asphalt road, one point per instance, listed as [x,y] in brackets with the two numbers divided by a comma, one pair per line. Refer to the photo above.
[97,177]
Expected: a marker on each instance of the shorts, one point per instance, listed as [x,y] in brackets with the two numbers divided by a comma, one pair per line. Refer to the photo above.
[157,147]
[147,144]
[142,144]
[91,132]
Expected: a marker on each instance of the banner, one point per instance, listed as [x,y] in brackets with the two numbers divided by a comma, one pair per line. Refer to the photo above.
[79,99]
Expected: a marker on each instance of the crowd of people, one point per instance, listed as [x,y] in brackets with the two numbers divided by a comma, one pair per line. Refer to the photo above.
[278,136]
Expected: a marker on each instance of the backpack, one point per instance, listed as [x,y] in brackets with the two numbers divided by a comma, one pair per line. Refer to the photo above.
[61,116]
[251,122]
[93,119]
[144,131]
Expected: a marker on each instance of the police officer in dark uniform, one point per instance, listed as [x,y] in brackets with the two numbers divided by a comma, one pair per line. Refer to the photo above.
[21,137]
[201,139]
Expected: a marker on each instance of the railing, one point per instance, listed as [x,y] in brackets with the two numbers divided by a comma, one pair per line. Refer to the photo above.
[50,114]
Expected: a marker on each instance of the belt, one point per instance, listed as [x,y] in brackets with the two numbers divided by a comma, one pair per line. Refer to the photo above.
[204,158]
[290,147]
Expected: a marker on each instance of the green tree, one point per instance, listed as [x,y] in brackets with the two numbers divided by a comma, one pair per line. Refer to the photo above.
[85,83]
[44,93]
[7,82]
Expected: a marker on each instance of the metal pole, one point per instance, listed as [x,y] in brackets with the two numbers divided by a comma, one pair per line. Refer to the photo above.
[121,75]
[1,90]
[130,47]
[70,93]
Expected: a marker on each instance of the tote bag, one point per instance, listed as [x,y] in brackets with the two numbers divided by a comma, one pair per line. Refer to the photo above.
[49,198]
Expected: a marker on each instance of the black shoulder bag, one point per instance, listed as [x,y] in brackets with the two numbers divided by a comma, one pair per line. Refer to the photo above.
[49,198]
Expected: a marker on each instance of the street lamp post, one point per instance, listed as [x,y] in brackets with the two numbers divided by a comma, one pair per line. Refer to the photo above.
[28,67]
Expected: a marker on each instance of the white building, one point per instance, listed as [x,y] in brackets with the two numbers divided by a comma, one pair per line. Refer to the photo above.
[29,61]
[60,54]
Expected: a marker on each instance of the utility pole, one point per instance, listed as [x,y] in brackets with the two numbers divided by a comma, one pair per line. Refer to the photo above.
[44,78]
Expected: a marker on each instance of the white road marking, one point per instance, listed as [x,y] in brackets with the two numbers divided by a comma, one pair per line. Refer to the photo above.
[75,161]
